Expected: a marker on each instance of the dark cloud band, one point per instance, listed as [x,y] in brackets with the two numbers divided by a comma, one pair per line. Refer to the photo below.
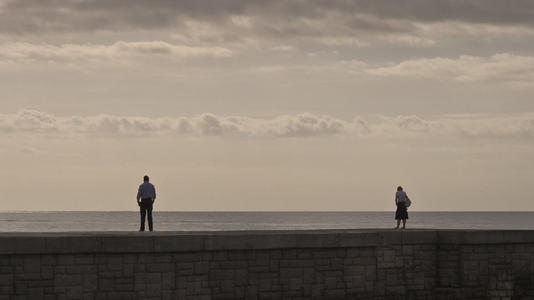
[270,17]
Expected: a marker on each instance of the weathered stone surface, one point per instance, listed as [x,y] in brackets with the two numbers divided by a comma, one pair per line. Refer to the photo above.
[324,264]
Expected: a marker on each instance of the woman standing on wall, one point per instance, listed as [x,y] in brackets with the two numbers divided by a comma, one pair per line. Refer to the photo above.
[402,201]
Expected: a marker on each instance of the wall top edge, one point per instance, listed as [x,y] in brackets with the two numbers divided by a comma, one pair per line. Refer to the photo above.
[167,241]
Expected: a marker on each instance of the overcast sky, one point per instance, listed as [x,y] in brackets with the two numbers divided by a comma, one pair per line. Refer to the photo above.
[267,105]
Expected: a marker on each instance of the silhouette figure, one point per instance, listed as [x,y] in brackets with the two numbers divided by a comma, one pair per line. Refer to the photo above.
[146,195]
[401,200]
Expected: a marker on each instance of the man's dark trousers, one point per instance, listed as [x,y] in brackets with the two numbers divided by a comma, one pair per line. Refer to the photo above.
[146,207]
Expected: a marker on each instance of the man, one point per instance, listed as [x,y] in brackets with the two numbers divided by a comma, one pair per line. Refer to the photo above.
[146,195]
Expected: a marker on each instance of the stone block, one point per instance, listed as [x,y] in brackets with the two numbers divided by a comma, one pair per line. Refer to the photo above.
[370,272]
[259,269]
[219,256]
[129,258]
[124,287]
[193,288]
[35,292]
[105,284]
[84,259]
[7,290]
[162,257]
[335,294]
[168,280]
[355,270]
[40,283]
[295,284]
[388,255]
[90,282]
[222,274]
[129,269]
[153,289]
[330,283]
[153,278]
[274,266]
[184,269]
[81,269]
[121,295]
[239,255]
[68,280]
[66,259]
[289,254]
[47,272]
[74,292]
[241,277]
[6,279]
[48,259]
[72,244]
[202,267]
[275,254]
[264,285]
[290,273]
[322,262]
[110,274]
[22,245]
[158,268]
[233,264]
[306,254]
[127,244]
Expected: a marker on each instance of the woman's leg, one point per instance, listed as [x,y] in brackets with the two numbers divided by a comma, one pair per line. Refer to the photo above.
[403,223]
[398,224]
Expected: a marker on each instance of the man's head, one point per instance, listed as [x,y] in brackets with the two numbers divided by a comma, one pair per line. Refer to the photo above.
[146,179]
[399,188]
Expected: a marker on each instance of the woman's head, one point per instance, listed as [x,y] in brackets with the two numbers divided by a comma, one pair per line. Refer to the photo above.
[399,188]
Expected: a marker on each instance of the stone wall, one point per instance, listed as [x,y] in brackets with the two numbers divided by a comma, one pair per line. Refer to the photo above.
[326,264]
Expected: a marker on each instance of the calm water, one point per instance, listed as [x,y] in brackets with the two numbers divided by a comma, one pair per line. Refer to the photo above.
[208,221]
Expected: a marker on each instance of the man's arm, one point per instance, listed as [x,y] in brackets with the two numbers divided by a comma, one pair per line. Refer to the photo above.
[139,194]
[154,199]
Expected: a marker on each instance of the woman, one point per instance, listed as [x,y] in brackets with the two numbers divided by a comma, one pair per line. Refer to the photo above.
[402,212]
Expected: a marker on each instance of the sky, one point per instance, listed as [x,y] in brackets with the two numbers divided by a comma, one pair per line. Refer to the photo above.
[234,105]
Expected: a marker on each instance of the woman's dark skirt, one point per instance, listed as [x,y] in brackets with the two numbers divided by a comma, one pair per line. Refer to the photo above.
[402,211]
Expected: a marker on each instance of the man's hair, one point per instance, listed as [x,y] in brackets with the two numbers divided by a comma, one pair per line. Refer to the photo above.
[146,178]
[399,188]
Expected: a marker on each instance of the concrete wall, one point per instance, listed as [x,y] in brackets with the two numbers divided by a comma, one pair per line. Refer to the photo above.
[329,264]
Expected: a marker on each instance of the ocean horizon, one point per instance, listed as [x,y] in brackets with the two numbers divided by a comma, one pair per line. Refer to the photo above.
[58,221]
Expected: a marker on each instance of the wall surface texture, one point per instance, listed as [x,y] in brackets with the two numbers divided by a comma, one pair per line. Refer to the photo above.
[326,264]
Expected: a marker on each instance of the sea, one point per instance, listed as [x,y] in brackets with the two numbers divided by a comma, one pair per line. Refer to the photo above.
[61,221]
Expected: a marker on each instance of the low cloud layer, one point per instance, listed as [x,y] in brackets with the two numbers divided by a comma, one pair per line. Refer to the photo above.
[300,125]
[119,51]
[500,67]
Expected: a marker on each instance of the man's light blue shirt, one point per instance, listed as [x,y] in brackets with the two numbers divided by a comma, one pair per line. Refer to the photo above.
[146,190]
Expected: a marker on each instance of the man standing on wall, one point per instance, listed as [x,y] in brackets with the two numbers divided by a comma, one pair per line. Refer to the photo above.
[146,195]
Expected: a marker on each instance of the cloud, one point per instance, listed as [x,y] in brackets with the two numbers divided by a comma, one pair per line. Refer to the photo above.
[503,67]
[284,48]
[284,126]
[206,124]
[410,40]
[329,22]
[43,15]
[26,52]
